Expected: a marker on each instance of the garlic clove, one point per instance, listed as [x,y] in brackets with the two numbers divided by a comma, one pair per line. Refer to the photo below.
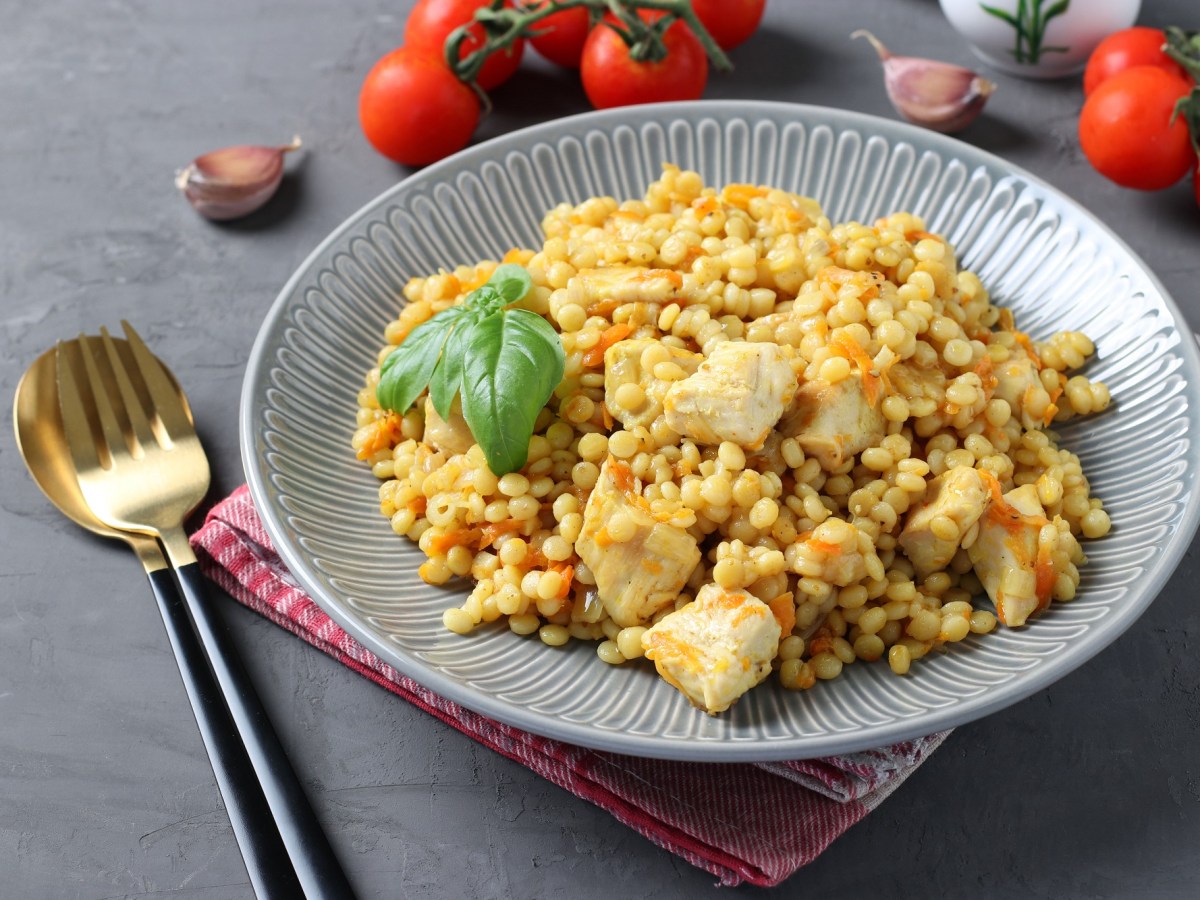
[233,181]
[938,95]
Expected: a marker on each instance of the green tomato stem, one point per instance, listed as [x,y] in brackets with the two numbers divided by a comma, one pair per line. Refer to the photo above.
[504,25]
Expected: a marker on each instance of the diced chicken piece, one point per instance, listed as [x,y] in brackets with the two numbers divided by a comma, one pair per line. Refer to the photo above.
[835,552]
[914,382]
[833,422]
[738,394]
[958,497]
[1018,381]
[1015,554]
[640,560]
[449,436]
[715,648]
[600,291]
[623,365]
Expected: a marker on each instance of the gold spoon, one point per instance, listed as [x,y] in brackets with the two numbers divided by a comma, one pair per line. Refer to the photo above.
[43,446]
[286,853]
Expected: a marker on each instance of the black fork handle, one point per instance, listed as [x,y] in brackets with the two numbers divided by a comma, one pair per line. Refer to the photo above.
[267,864]
[316,867]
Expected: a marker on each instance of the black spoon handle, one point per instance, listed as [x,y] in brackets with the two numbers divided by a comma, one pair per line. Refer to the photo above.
[271,872]
[315,865]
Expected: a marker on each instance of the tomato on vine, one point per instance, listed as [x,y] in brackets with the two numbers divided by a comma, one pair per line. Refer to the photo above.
[1138,46]
[414,110]
[1130,133]
[432,21]
[560,36]
[613,76]
[730,22]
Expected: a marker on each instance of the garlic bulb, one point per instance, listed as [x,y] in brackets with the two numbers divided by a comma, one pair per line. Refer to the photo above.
[233,181]
[937,95]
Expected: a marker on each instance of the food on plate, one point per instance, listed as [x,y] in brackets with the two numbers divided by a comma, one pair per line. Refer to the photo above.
[938,95]
[777,444]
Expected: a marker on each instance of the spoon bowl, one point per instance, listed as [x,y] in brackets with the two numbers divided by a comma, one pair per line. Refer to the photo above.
[43,445]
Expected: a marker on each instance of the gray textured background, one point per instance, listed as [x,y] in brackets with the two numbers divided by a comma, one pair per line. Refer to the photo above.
[1088,789]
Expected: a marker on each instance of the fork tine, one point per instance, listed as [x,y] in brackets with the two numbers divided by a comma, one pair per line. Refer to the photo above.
[87,449]
[102,401]
[169,405]
[134,411]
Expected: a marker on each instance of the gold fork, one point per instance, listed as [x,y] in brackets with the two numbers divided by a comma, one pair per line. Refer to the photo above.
[141,468]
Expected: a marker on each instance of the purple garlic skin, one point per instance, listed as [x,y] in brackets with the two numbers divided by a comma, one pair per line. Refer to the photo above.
[937,95]
[233,181]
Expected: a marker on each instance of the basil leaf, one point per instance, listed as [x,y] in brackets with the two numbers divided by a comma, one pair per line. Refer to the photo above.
[513,363]
[408,368]
[448,375]
[511,281]
[485,300]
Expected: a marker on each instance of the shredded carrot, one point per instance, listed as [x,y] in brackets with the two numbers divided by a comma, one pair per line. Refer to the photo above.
[784,610]
[441,545]
[1052,409]
[918,235]
[821,642]
[611,335]
[1027,345]
[872,381]
[568,577]
[985,371]
[1045,574]
[417,505]
[740,195]
[705,205]
[493,530]
[518,256]
[385,433]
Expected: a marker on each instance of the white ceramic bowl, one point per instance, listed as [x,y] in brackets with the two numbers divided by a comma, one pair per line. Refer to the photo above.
[1038,38]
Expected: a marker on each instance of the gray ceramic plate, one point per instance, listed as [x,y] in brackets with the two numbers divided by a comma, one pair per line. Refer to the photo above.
[1056,265]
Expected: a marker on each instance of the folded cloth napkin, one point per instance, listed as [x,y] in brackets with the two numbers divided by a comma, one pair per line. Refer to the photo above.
[756,822]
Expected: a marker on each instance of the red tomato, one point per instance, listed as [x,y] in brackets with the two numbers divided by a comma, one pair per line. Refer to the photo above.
[1127,134]
[1125,49]
[563,36]
[730,22]
[431,21]
[612,78]
[414,110]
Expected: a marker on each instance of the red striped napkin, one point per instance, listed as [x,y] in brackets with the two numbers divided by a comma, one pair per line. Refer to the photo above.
[755,822]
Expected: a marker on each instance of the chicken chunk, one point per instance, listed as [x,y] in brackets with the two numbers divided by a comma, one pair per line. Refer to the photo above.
[600,291]
[449,436]
[623,365]
[959,497]
[641,560]
[1019,554]
[738,394]
[833,422]
[715,648]
[1019,382]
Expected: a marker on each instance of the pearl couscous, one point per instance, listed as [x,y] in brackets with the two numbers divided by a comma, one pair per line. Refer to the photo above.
[780,445]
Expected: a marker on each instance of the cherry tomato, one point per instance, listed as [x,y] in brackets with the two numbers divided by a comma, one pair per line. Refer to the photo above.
[1127,134]
[563,36]
[414,110]
[431,21]
[730,22]
[612,78]
[1125,49]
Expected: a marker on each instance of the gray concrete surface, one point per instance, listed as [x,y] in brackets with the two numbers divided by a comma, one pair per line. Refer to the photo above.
[1090,789]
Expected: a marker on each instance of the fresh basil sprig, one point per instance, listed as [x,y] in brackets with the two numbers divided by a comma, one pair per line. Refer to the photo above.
[504,362]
